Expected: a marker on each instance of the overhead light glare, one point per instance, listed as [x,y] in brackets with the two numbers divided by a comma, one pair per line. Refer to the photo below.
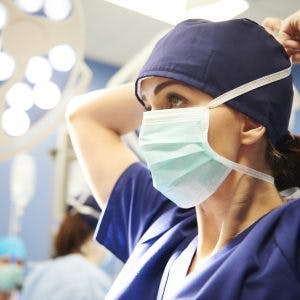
[168,11]
[20,96]
[172,12]
[30,6]
[3,16]
[62,58]
[58,9]
[38,70]
[217,10]
[46,95]
[15,122]
[8,65]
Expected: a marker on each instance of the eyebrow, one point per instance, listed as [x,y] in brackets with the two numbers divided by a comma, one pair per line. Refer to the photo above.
[161,86]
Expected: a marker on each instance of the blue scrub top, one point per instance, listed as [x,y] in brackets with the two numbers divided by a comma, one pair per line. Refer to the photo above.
[157,240]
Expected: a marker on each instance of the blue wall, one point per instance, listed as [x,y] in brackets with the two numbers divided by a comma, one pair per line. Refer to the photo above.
[36,221]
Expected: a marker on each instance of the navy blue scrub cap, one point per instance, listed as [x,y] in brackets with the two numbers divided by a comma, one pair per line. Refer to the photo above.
[216,57]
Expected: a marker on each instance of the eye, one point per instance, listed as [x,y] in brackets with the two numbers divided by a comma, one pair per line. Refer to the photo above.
[175,101]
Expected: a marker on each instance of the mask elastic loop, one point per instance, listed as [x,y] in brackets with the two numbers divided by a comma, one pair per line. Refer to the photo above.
[247,87]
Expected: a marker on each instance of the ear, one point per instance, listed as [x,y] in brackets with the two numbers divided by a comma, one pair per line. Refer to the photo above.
[251,131]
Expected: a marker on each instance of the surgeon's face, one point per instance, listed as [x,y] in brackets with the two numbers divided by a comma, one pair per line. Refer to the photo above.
[225,123]
[11,274]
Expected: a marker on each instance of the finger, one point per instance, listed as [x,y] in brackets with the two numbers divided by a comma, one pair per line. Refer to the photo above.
[291,25]
[272,24]
[291,51]
[291,44]
[296,58]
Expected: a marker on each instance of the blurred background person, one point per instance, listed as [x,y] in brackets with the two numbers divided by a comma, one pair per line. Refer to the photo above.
[81,268]
[12,264]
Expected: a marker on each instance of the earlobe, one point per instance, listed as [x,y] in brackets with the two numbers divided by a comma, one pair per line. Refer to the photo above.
[251,131]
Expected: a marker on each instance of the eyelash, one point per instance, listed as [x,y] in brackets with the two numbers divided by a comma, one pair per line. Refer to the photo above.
[170,103]
[170,99]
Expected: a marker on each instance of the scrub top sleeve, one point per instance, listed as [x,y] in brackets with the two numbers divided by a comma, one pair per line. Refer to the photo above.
[287,236]
[133,206]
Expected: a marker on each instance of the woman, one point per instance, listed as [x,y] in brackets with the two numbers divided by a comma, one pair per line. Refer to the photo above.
[207,221]
[76,272]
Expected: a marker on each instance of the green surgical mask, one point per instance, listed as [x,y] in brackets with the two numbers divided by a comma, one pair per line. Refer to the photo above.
[184,167]
[11,277]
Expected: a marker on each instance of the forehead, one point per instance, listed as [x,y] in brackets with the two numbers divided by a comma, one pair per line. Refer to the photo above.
[149,84]
[154,80]
[155,84]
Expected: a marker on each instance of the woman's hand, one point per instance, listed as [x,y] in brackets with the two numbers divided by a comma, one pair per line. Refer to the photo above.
[287,32]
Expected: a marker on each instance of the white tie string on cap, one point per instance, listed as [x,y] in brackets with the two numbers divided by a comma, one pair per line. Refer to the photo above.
[247,87]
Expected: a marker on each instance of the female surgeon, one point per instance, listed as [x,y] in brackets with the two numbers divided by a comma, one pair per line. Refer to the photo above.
[204,219]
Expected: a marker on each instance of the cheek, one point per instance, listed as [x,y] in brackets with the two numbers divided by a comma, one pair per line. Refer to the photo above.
[224,132]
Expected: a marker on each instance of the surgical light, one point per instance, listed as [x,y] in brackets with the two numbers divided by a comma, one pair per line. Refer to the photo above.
[46,95]
[58,9]
[30,6]
[20,96]
[38,70]
[42,67]
[62,58]
[15,122]
[7,64]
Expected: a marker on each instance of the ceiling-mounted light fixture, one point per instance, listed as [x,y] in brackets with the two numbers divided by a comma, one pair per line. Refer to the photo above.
[172,12]
[42,67]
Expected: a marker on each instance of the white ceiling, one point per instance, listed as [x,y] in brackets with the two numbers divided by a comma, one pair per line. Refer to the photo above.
[114,34]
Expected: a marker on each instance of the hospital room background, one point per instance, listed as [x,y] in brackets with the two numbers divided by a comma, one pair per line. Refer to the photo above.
[105,44]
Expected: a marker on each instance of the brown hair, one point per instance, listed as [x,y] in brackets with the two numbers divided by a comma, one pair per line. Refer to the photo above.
[72,234]
[285,163]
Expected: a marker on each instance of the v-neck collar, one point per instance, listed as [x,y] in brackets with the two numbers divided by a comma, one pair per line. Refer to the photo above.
[179,268]
[177,273]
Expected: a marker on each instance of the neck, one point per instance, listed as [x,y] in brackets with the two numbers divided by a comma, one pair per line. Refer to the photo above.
[92,252]
[221,218]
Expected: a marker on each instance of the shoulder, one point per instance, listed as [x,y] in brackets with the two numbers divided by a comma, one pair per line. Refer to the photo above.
[68,263]
[136,172]
[290,214]
[287,220]
[287,233]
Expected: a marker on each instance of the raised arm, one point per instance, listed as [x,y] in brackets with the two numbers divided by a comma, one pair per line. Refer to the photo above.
[96,122]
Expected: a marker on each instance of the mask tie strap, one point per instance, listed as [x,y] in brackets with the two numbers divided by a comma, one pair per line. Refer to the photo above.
[240,90]
[247,87]
[246,170]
